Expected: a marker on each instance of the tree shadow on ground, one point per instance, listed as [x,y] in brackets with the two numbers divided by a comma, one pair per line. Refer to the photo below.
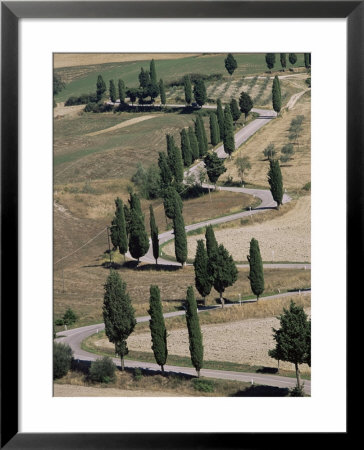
[267,370]
[262,391]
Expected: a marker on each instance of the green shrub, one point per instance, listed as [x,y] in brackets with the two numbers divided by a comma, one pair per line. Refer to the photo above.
[62,359]
[138,374]
[203,385]
[102,370]
[69,317]
[59,322]
[297,392]
[307,186]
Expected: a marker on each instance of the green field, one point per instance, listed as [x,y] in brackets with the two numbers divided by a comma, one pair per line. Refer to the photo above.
[83,79]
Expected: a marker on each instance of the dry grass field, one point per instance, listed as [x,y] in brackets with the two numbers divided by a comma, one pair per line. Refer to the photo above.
[297,172]
[244,341]
[284,238]
[87,59]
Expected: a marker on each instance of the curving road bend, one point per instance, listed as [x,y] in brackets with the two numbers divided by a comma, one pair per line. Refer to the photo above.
[75,336]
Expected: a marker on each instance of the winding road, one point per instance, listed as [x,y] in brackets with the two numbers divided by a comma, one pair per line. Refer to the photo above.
[75,336]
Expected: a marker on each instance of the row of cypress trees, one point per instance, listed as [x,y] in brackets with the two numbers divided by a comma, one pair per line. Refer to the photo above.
[119,319]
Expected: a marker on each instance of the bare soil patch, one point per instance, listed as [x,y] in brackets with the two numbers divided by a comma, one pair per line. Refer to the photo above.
[85,59]
[61,111]
[121,125]
[285,238]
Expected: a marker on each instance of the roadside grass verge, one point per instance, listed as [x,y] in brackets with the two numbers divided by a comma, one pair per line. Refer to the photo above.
[151,382]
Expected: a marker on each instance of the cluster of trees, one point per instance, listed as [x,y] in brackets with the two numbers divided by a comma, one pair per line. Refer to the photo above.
[119,319]
[270,59]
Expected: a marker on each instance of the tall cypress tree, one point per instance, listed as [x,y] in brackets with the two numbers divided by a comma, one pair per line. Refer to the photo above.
[235,111]
[201,136]
[120,239]
[157,327]
[229,141]
[112,91]
[214,129]
[223,270]
[275,181]
[186,148]
[164,171]
[193,143]
[134,204]
[270,59]
[188,89]
[152,72]
[174,159]
[283,58]
[122,91]
[203,280]
[171,202]
[154,234]
[276,95]
[307,60]
[245,103]
[118,314]
[194,331]
[100,87]
[211,242]
[220,119]
[199,92]
[256,275]
[180,238]
[162,92]
[138,238]
[292,58]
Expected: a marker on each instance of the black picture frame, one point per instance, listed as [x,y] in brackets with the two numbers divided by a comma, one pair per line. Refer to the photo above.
[11,12]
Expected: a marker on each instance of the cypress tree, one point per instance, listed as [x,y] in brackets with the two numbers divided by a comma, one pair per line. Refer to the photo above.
[275,181]
[119,228]
[199,92]
[186,148]
[100,87]
[164,170]
[157,327]
[211,242]
[235,111]
[194,331]
[118,314]
[229,141]
[201,136]
[171,202]
[154,234]
[138,238]
[270,59]
[152,72]
[127,219]
[180,238]
[122,91]
[256,275]
[174,159]
[276,95]
[112,91]
[245,103]
[283,58]
[220,119]
[162,92]
[223,270]
[203,280]
[214,129]
[188,89]
[134,204]
[292,58]
[144,78]
[193,143]
[307,60]
[230,63]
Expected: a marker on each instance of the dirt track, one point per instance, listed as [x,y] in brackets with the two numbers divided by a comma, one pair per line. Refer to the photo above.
[69,390]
